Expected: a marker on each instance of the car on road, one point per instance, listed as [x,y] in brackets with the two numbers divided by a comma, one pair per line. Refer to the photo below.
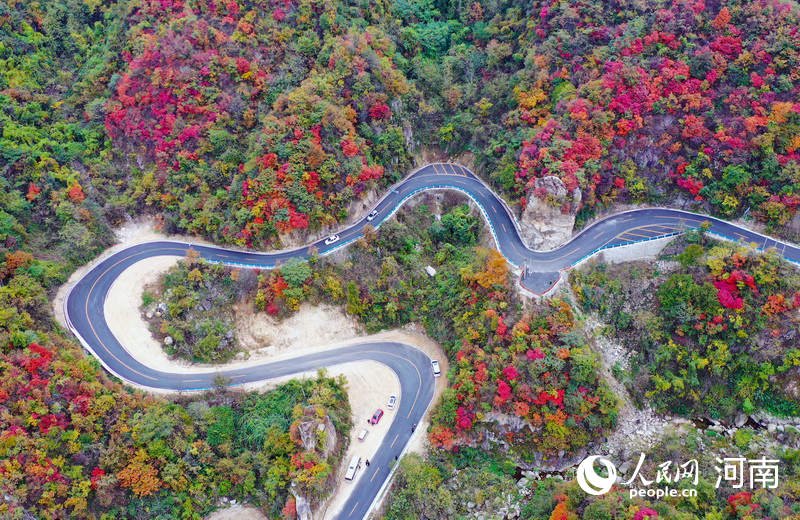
[392,402]
[437,371]
[376,417]
[372,215]
[353,467]
[331,239]
[363,434]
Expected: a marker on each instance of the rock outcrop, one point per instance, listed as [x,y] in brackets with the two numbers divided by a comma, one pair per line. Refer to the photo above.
[549,216]
[316,432]
[302,504]
[311,431]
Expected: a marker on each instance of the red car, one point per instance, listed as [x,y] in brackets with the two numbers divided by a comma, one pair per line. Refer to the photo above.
[376,417]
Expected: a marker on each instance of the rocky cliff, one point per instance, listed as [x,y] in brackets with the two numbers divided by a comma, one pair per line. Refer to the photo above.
[316,432]
[549,216]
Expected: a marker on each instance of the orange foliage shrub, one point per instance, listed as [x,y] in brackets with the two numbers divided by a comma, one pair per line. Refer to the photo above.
[140,476]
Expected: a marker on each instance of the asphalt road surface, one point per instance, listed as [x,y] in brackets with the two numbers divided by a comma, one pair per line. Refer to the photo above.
[541,270]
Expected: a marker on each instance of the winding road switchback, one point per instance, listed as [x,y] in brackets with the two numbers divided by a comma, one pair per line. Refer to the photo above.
[540,271]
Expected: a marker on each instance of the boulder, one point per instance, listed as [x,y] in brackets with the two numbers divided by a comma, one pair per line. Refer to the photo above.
[549,216]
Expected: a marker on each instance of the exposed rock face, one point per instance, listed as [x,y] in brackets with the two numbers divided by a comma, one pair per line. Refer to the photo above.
[506,421]
[317,433]
[302,504]
[307,435]
[549,216]
[794,223]
[792,383]
[310,432]
[331,439]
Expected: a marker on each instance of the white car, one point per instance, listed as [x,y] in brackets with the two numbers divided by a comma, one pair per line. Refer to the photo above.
[331,239]
[362,434]
[437,371]
[372,215]
[392,402]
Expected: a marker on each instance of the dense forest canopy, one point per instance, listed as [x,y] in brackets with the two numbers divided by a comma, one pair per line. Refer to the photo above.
[245,121]
[258,123]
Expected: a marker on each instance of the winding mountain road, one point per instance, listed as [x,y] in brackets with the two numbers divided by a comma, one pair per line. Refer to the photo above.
[540,271]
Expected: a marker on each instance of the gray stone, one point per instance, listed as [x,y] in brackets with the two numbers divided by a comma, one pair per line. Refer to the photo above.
[544,225]
[306,430]
[302,504]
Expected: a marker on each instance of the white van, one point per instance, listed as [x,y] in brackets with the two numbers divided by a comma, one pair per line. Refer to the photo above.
[355,463]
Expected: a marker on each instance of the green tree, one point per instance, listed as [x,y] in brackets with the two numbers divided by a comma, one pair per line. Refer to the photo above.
[296,272]
[420,493]
[457,227]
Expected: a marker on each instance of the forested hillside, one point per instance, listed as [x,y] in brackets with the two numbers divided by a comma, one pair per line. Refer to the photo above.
[640,101]
[244,121]
[257,123]
[715,333]
[249,121]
